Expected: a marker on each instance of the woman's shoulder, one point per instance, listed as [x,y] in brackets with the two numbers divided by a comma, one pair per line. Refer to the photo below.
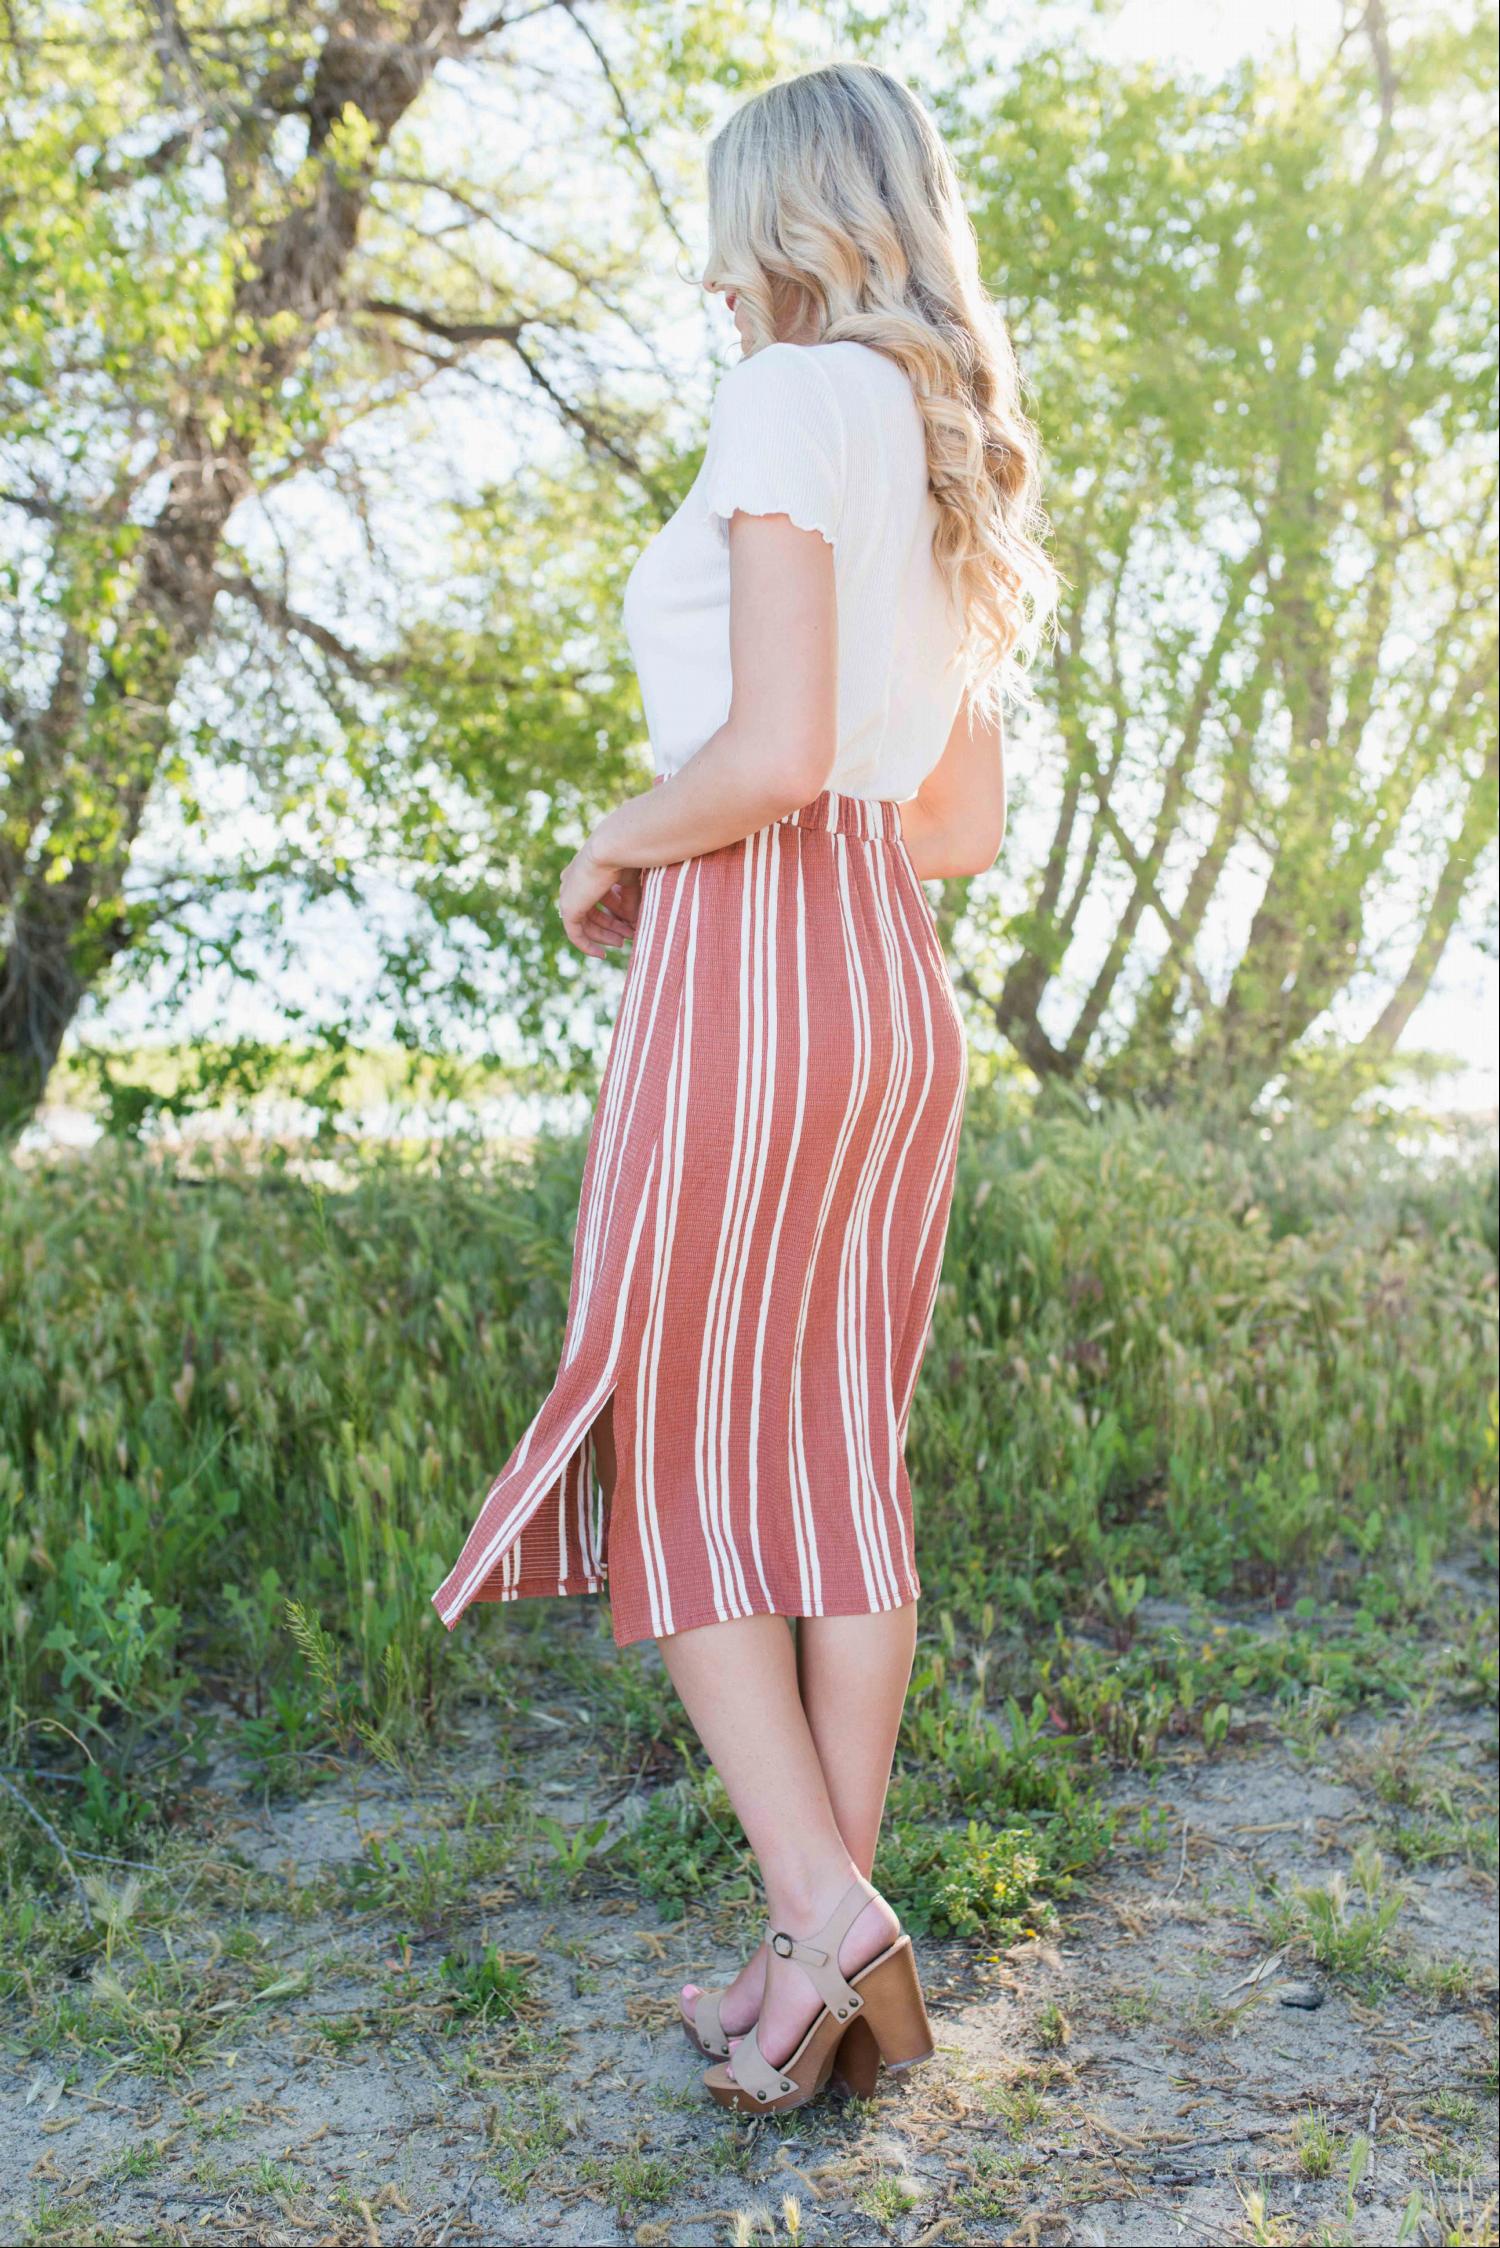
[779,379]
[793,369]
[830,389]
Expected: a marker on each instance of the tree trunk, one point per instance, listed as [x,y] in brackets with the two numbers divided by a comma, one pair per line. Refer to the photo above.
[65,915]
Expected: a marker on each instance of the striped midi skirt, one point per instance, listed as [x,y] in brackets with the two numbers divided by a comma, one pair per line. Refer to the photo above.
[760,1231]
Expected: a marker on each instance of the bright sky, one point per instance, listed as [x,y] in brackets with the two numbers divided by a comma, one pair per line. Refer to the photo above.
[1203,33]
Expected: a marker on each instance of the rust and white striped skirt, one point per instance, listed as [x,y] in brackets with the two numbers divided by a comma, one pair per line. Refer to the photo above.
[760,1231]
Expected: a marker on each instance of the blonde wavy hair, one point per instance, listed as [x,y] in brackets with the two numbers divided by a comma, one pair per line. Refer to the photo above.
[836,217]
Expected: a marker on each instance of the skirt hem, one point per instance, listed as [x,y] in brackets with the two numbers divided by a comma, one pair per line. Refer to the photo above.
[548,1588]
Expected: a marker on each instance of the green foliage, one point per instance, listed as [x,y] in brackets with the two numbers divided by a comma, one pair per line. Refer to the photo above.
[230,274]
[1184,1685]
[572,1851]
[1257,316]
[686,1843]
[956,1757]
[967,1882]
[1238,1365]
[1346,1925]
[1236,1361]
[411,1879]
[490,1988]
[1316,2146]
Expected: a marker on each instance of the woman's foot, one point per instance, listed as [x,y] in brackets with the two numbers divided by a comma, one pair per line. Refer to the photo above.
[789,2004]
[739,2005]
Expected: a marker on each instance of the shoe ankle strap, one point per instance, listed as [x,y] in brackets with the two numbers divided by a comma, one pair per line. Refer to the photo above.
[818,1956]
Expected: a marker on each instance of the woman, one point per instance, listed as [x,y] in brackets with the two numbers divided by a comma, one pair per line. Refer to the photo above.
[822,633]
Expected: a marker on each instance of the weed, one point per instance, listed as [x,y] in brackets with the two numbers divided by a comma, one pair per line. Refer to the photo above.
[732,2149]
[1133,2009]
[141,2161]
[757,2227]
[1018,2105]
[573,1852]
[1261,2228]
[490,1988]
[1315,2144]
[227,2124]
[1450,1982]
[341,2036]
[1448,2106]
[522,2136]
[308,1377]
[888,2200]
[636,2181]
[414,1880]
[1153,1829]
[272,2178]
[686,1843]
[1053,2029]
[965,1882]
[997,2186]
[1346,1939]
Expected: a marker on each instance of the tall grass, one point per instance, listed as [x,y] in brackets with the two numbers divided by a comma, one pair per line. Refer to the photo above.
[1223,1364]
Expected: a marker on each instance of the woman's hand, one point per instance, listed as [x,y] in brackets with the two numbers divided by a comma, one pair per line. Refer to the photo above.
[599,903]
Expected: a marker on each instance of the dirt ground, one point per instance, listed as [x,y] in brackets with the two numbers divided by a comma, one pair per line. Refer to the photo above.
[291,2070]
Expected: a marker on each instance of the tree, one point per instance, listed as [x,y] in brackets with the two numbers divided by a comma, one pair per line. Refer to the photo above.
[245,247]
[331,414]
[1259,319]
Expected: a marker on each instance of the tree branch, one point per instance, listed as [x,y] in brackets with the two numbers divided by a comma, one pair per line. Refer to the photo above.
[447,331]
[278,611]
[632,137]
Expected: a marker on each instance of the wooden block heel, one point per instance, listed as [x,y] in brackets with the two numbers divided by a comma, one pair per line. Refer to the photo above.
[856,2064]
[895,2011]
[877,2016]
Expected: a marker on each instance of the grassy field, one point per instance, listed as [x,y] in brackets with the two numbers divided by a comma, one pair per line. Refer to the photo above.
[1204,1458]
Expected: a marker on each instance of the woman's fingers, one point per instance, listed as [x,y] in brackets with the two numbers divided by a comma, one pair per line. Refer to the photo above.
[598,905]
[597,932]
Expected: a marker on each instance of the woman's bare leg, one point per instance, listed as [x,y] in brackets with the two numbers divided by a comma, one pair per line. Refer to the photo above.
[853,1673]
[738,1683]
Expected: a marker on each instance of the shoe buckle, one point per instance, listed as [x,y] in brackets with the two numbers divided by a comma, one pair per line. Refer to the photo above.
[782,1946]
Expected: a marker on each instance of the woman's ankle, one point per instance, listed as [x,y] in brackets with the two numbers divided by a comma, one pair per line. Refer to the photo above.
[800,1903]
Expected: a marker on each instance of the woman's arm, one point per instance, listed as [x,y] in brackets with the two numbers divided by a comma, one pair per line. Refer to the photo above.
[955,823]
[773,752]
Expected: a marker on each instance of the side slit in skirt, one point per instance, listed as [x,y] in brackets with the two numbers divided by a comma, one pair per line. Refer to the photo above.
[760,1232]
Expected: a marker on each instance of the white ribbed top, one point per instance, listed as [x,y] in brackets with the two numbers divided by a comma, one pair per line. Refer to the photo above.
[828,434]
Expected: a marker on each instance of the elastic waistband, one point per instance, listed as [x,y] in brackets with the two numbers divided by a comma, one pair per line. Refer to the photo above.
[873,819]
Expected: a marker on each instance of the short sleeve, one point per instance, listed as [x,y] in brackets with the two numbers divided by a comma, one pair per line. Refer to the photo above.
[776,442]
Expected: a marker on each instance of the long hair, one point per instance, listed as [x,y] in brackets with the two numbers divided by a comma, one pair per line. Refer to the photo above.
[836,217]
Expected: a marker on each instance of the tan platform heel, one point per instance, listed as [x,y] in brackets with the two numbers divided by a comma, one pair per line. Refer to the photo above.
[855,2065]
[886,1995]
